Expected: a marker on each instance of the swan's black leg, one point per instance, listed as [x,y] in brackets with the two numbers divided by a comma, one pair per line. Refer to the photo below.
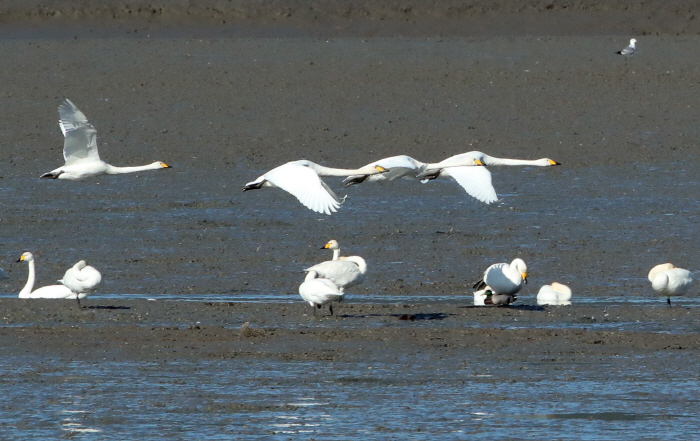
[330,306]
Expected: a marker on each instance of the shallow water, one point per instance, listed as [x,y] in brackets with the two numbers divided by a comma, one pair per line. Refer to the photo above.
[218,400]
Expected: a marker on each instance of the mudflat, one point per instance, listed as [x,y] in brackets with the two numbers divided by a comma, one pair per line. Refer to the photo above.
[224,101]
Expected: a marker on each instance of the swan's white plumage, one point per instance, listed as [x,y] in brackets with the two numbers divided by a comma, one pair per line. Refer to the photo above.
[554,294]
[480,296]
[476,181]
[504,278]
[302,179]
[46,292]
[401,166]
[82,159]
[319,292]
[81,278]
[345,272]
[667,280]
[335,246]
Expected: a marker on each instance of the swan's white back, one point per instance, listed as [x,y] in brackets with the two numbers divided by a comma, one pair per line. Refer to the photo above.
[319,291]
[506,278]
[554,294]
[81,278]
[345,272]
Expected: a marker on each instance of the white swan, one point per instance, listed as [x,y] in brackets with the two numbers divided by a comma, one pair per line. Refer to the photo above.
[80,149]
[503,278]
[46,292]
[554,294]
[81,278]
[333,245]
[667,280]
[319,292]
[476,181]
[345,272]
[629,50]
[302,180]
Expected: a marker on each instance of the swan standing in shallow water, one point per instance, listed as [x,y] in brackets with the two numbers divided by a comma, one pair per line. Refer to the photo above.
[319,292]
[555,294]
[82,279]
[504,278]
[46,292]
[302,180]
[80,149]
[667,280]
[476,181]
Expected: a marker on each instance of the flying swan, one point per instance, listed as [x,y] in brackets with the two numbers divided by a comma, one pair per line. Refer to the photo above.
[302,180]
[80,149]
[319,292]
[667,280]
[46,292]
[476,181]
[504,278]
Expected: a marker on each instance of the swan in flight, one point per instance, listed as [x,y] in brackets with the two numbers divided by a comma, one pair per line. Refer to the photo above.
[345,272]
[302,180]
[667,280]
[46,292]
[82,279]
[554,294]
[319,292]
[629,50]
[504,278]
[80,149]
[333,245]
[476,181]
[491,298]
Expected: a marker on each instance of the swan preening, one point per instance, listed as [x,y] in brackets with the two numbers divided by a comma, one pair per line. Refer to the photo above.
[319,292]
[79,281]
[629,50]
[503,278]
[80,149]
[554,294]
[667,280]
[326,281]
[302,180]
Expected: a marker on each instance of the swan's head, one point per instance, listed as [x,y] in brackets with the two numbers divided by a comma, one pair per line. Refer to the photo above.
[519,265]
[80,265]
[659,269]
[26,257]
[159,164]
[552,161]
[560,287]
[381,169]
[331,245]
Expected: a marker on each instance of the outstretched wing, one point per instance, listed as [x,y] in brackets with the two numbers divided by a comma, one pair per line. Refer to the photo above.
[304,184]
[476,181]
[80,143]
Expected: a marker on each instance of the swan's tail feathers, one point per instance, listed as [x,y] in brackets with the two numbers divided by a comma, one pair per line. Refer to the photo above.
[255,185]
[479,285]
[51,175]
[354,180]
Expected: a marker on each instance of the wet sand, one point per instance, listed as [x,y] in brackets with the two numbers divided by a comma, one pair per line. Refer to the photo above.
[223,110]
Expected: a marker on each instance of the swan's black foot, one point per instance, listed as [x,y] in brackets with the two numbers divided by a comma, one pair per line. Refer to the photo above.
[50,175]
[354,180]
[253,186]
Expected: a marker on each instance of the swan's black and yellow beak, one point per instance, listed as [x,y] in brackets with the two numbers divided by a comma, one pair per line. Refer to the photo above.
[478,162]
[552,162]
[164,165]
[381,169]
[524,275]
[21,259]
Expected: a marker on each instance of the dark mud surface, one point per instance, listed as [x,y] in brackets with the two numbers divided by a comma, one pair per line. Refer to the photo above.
[406,357]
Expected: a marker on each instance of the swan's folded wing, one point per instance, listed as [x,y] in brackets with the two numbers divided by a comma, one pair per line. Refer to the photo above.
[80,143]
[304,184]
[338,271]
[476,181]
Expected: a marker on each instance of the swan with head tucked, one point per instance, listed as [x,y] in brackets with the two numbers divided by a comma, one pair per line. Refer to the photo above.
[555,294]
[80,149]
[667,280]
[629,50]
[81,278]
[302,180]
[476,181]
[345,272]
[504,278]
[319,292]
[46,292]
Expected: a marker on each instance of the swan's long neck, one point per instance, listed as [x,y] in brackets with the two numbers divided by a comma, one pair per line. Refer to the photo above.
[329,171]
[112,170]
[30,281]
[490,160]
[336,254]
